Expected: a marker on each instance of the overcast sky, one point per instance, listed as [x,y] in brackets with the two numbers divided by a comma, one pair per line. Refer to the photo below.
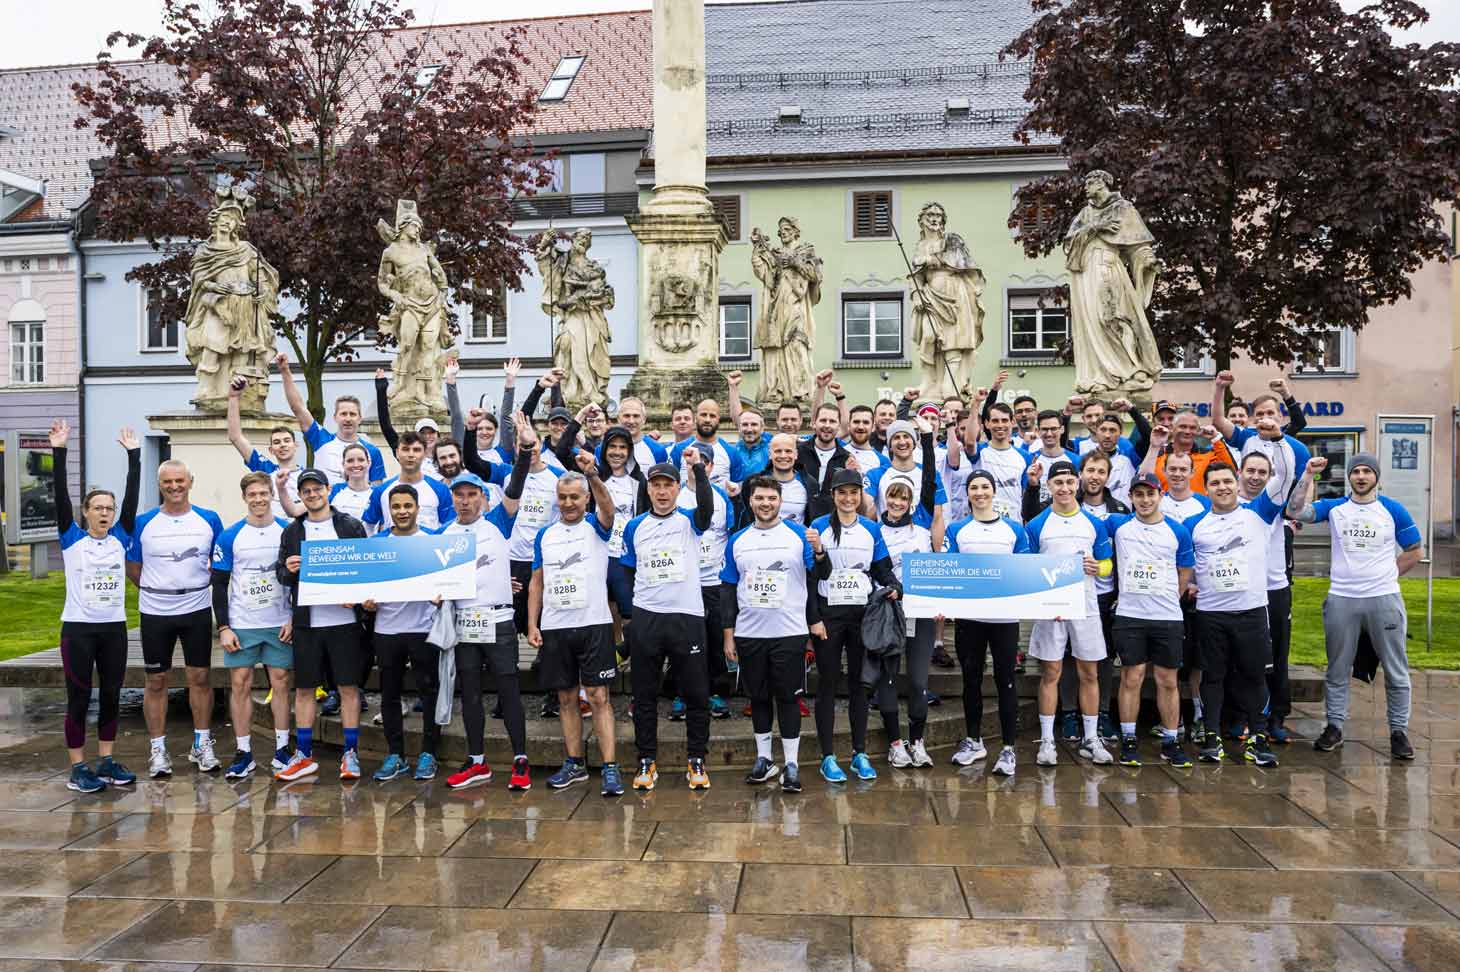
[72,31]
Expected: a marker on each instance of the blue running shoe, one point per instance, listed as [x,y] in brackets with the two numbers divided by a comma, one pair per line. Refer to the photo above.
[331,704]
[1105,726]
[862,766]
[426,767]
[718,708]
[613,785]
[280,760]
[392,767]
[573,771]
[831,772]
[83,780]
[241,767]
[676,710]
[114,773]
[1070,730]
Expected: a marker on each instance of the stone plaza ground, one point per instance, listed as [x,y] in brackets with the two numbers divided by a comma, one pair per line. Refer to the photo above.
[1343,861]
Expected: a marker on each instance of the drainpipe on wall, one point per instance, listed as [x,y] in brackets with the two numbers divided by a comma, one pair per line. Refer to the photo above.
[81,344]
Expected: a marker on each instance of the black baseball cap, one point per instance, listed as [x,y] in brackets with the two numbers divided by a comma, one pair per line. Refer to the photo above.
[560,413]
[313,476]
[664,470]
[846,477]
[1062,468]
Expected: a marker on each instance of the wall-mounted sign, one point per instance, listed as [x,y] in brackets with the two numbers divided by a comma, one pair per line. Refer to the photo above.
[30,502]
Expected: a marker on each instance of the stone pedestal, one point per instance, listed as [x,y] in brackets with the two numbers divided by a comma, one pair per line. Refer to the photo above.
[200,439]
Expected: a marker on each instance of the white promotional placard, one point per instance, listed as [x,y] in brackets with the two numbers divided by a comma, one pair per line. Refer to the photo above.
[419,567]
[996,587]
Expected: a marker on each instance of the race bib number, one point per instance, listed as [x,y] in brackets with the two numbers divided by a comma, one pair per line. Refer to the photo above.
[566,592]
[709,552]
[1228,574]
[101,588]
[260,591]
[766,588]
[847,587]
[533,512]
[1359,536]
[475,624]
[1004,508]
[1144,577]
[616,537]
[662,567]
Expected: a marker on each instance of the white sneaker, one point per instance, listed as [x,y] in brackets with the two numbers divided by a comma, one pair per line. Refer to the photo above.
[1048,755]
[159,764]
[1005,764]
[919,754]
[378,719]
[1094,750]
[203,756]
[969,750]
[897,755]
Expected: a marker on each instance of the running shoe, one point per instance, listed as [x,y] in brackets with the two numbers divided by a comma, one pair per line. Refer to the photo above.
[280,760]
[1279,733]
[1094,750]
[763,771]
[696,775]
[471,773]
[1130,751]
[425,767]
[241,767]
[1211,751]
[941,658]
[1237,733]
[113,772]
[801,705]
[790,778]
[1004,766]
[1105,726]
[862,766]
[393,766]
[521,778]
[416,706]
[613,784]
[747,711]
[83,780]
[204,757]
[299,767]
[1158,731]
[1070,727]
[1257,751]
[1047,755]
[1197,734]
[159,764]
[932,698]
[572,771]
[831,772]
[350,765]
[1399,746]
[968,751]
[1329,740]
[550,706]
[647,776]
[897,755]
[1174,755]
[718,708]
[919,753]
[331,704]
[677,710]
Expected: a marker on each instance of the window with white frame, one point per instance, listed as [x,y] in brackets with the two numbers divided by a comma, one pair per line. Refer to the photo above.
[735,329]
[486,326]
[158,334]
[27,352]
[557,86]
[1036,330]
[1334,354]
[872,325]
[1186,359]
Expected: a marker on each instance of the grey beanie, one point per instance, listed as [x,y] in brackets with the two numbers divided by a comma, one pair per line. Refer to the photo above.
[902,425]
[1363,459]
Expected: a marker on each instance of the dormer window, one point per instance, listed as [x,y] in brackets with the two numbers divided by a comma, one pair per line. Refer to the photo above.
[557,86]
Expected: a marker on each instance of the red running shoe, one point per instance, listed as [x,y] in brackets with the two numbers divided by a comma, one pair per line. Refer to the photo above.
[471,774]
[521,778]
[805,710]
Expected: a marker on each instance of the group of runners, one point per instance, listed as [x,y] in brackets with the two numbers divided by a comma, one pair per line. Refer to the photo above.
[745,564]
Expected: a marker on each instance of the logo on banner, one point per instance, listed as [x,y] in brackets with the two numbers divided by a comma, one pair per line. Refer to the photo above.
[445,554]
[1052,575]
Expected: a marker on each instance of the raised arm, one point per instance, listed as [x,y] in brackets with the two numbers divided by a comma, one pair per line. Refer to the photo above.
[382,410]
[1220,422]
[704,496]
[235,423]
[1140,439]
[818,394]
[602,498]
[1297,421]
[127,516]
[512,495]
[1300,506]
[732,395]
[453,403]
[930,467]
[291,393]
[506,437]
[843,413]
[60,436]
[1160,435]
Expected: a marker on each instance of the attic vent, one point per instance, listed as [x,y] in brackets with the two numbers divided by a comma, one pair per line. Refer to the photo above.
[789,113]
[958,106]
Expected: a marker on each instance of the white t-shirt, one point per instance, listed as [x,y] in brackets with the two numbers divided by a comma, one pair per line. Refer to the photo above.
[664,553]
[1366,539]
[625,493]
[1007,466]
[1147,558]
[793,500]
[257,463]
[852,556]
[402,617]
[329,453]
[574,574]
[175,553]
[769,568]
[1182,510]
[906,539]
[538,508]
[326,615]
[1231,555]
[882,479]
[713,540]
[493,601]
[250,554]
[823,462]
[96,576]
[433,500]
[1045,461]
[1052,532]
[867,458]
[347,499]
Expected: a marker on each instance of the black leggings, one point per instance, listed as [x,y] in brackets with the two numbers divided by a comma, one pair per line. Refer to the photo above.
[471,660]
[392,653]
[843,631]
[974,641]
[918,648]
[86,645]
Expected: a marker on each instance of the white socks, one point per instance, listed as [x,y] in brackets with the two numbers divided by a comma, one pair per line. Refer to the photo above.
[281,738]
[1090,725]
[1046,727]
[245,743]
[763,745]
[790,750]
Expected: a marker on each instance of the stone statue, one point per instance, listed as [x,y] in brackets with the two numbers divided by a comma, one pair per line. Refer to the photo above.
[791,276]
[234,292]
[412,280]
[576,293]
[1113,267]
[947,307]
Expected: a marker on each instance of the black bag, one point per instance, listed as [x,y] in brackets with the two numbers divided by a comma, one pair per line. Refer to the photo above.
[883,634]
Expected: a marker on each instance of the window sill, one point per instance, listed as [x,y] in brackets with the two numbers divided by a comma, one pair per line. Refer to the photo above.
[1311,375]
[1032,362]
[1186,376]
[500,340]
[736,364]
[870,239]
[172,350]
[870,363]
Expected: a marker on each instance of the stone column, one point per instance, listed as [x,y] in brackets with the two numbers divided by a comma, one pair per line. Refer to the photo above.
[679,237]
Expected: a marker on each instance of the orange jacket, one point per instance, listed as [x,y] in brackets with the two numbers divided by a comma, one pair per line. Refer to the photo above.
[1200,460]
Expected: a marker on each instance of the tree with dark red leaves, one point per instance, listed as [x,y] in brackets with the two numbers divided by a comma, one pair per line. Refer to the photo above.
[329,111]
[1288,156]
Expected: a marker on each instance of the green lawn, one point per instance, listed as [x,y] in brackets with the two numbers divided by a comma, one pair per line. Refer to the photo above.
[1308,597]
[30,612]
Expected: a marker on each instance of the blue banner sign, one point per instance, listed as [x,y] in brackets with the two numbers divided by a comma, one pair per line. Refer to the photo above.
[994,587]
[414,568]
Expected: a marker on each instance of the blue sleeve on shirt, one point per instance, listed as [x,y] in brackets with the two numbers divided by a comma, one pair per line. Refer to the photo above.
[257,463]
[629,557]
[676,454]
[1192,522]
[737,463]
[212,520]
[501,519]
[952,534]
[1185,549]
[445,508]
[1239,437]
[1406,532]
[604,533]
[1115,521]
[807,554]
[1035,526]
[1102,549]
[372,506]
[74,533]
[317,435]
[874,477]
[335,490]
[658,451]
[223,548]
[377,463]
[730,572]
[1321,508]
[134,549]
[1265,506]
[1021,537]
[879,548]
[537,550]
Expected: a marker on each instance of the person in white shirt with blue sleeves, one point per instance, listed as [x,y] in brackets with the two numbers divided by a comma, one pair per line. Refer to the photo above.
[1374,540]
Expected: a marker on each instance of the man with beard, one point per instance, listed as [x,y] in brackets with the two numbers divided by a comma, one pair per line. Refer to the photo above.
[728,470]
[859,444]
[755,441]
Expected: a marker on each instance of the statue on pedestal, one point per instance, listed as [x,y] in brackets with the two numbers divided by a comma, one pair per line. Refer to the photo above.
[1113,267]
[576,293]
[234,292]
[947,307]
[791,277]
[412,280]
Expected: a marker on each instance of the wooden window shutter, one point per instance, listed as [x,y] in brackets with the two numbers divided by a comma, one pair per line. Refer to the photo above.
[727,210]
[872,214]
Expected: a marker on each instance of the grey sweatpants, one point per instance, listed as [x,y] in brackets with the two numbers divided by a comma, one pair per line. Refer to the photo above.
[1383,618]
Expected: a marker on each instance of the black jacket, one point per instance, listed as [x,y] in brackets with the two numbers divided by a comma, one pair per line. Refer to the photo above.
[818,487]
[290,543]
